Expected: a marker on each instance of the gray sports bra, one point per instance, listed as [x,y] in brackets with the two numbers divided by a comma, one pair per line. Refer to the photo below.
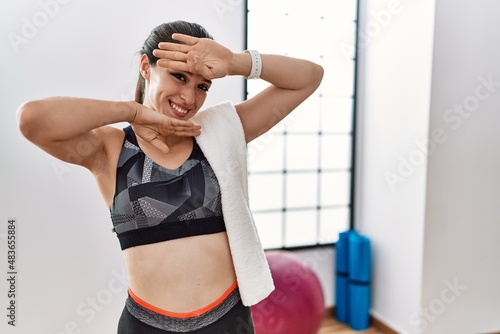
[154,204]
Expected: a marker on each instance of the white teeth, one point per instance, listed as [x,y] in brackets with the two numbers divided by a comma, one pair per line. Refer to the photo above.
[179,109]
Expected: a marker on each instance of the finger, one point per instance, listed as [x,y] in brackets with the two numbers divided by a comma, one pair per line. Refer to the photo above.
[184,127]
[180,122]
[180,126]
[186,131]
[189,133]
[173,65]
[206,72]
[174,47]
[189,40]
[172,55]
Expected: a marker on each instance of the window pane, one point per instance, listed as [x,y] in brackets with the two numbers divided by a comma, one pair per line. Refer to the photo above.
[266,153]
[271,197]
[341,36]
[338,79]
[301,228]
[305,118]
[332,222]
[343,10]
[336,114]
[335,151]
[335,188]
[301,190]
[302,152]
[256,86]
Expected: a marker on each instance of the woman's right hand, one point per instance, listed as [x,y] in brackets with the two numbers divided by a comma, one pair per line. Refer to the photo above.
[154,127]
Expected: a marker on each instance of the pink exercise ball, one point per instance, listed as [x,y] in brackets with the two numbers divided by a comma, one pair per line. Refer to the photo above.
[297,305]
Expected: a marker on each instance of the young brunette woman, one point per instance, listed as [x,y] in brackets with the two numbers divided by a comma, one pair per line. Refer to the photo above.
[175,179]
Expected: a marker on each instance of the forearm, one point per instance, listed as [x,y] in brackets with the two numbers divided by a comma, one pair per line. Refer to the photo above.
[281,71]
[63,118]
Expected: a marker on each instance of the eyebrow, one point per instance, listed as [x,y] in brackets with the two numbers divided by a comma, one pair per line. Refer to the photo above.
[205,80]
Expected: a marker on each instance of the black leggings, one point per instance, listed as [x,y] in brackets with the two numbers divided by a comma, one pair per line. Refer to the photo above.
[237,321]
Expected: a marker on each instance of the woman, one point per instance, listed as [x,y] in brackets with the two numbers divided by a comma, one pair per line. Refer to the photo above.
[175,179]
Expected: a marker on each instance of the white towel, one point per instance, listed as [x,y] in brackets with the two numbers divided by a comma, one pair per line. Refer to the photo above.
[223,142]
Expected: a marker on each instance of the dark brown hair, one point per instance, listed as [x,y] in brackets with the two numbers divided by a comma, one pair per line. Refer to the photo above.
[163,33]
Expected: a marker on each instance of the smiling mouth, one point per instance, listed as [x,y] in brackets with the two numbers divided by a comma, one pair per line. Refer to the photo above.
[179,109]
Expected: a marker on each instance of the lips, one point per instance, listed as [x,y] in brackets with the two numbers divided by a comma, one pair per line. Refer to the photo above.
[181,111]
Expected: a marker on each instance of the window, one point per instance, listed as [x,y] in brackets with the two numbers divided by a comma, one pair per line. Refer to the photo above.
[300,172]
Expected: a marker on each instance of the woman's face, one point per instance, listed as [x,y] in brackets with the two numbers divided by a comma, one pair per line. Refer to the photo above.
[174,93]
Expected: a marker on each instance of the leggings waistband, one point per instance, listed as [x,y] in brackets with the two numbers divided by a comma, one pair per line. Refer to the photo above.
[183,322]
[183,315]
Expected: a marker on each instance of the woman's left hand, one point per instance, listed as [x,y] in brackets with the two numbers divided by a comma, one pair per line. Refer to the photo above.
[201,56]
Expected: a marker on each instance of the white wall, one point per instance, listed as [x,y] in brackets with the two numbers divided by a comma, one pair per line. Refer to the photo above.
[70,268]
[395,71]
[462,225]
[428,186]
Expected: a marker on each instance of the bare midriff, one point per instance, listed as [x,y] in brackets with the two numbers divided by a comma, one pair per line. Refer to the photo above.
[181,275]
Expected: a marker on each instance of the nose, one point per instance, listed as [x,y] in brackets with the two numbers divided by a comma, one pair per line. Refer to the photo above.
[188,95]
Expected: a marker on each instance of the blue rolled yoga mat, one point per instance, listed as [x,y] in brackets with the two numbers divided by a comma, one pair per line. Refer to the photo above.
[352,281]
[341,277]
[359,281]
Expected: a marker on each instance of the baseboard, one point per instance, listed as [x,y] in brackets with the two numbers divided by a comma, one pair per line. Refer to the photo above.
[381,326]
[330,311]
[378,324]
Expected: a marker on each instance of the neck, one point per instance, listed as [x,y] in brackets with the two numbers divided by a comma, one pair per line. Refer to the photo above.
[172,140]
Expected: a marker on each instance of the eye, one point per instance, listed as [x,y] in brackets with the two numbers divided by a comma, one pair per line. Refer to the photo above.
[204,88]
[179,76]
